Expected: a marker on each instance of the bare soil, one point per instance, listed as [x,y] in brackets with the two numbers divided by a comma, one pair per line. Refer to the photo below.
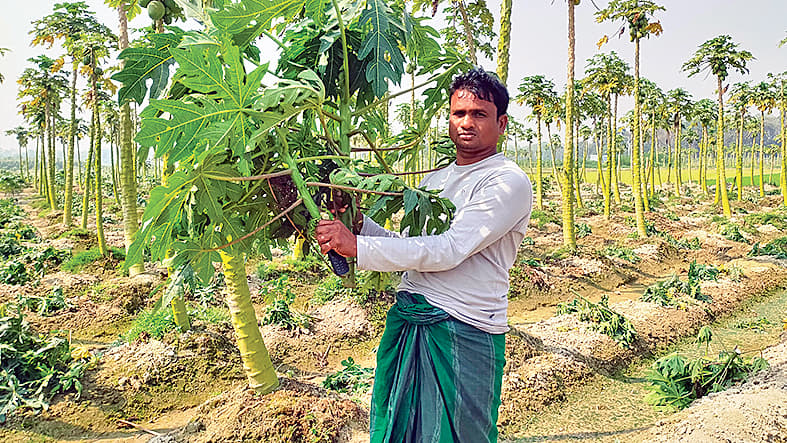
[191,387]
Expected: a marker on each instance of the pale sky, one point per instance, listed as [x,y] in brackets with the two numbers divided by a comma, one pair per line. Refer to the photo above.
[538,44]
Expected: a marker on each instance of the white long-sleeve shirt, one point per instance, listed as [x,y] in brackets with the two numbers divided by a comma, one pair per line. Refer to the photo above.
[463,271]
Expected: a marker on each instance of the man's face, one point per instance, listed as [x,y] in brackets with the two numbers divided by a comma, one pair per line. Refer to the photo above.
[474,126]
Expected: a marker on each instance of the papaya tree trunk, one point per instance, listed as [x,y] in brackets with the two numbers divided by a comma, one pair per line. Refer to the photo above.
[256,361]
[762,154]
[722,184]
[608,187]
[739,160]
[567,172]
[783,150]
[128,177]
[68,203]
[677,154]
[88,168]
[113,169]
[102,243]
[615,154]
[52,195]
[636,184]
[539,167]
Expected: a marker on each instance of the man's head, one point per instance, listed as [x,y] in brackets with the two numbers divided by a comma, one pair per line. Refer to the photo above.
[477,116]
[483,85]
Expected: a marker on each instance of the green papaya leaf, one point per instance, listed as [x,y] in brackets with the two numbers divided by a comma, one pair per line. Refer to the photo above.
[235,17]
[149,62]
[381,46]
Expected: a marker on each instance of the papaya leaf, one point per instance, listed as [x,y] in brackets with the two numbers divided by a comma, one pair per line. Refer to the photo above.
[235,17]
[381,46]
[150,62]
[215,116]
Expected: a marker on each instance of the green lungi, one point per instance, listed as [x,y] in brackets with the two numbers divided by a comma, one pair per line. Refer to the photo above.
[437,379]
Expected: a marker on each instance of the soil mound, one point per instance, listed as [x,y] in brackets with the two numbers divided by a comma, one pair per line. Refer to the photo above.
[754,411]
[296,412]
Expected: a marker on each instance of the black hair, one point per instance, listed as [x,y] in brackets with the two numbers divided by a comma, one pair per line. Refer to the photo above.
[483,85]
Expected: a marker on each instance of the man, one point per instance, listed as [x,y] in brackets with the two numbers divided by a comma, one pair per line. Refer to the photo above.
[440,360]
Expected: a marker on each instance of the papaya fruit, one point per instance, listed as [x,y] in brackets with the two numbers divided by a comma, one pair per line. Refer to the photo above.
[156,10]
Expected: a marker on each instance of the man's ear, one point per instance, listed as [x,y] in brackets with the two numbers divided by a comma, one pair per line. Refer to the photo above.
[502,122]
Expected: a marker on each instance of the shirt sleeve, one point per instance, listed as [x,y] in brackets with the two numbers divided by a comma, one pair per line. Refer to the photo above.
[497,206]
[370,228]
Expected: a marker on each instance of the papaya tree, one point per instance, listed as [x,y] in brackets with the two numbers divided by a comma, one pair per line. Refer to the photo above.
[607,74]
[763,97]
[44,86]
[22,137]
[567,172]
[539,94]
[739,97]
[256,151]
[72,22]
[779,82]
[719,55]
[636,15]
[704,114]
[127,9]
[653,104]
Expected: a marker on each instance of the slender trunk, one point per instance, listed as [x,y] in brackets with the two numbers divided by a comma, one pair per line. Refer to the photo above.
[677,154]
[722,185]
[69,159]
[615,156]
[21,166]
[651,175]
[567,173]
[771,181]
[752,158]
[584,174]
[102,243]
[51,166]
[575,169]
[79,165]
[27,162]
[739,160]
[762,153]
[112,170]
[636,173]
[783,150]
[37,176]
[607,187]
[460,5]
[539,167]
[88,168]
[553,158]
[43,171]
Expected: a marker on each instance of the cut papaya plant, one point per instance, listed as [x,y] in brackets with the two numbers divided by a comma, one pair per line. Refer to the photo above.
[156,10]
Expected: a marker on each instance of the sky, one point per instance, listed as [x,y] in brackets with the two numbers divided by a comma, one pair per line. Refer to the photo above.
[538,44]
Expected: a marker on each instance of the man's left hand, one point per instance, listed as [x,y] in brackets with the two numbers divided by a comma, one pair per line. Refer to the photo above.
[332,234]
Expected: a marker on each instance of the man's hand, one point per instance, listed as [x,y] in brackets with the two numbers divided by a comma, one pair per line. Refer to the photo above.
[332,234]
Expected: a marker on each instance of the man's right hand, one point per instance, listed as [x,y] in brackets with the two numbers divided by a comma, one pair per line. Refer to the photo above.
[332,234]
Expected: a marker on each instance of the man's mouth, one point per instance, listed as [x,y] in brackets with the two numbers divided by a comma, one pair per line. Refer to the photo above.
[466,135]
